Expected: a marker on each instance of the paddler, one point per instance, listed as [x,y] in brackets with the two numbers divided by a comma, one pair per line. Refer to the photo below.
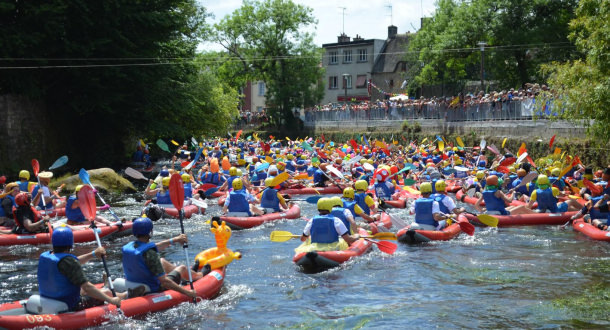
[238,201]
[271,199]
[326,229]
[344,214]
[428,215]
[27,219]
[45,192]
[445,202]
[349,203]
[7,204]
[496,200]
[546,196]
[364,199]
[75,215]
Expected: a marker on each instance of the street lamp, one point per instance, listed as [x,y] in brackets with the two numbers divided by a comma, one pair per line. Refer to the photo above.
[345,75]
[482,44]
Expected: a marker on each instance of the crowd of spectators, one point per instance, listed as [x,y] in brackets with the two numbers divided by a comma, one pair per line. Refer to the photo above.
[252,118]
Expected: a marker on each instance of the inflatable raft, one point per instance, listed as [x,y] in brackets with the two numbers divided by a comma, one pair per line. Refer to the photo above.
[313,191]
[319,261]
[237,223]
[415,236]
[14,315]
[80,236]
[189,210]
[591,231]
[382,225]
[534,219]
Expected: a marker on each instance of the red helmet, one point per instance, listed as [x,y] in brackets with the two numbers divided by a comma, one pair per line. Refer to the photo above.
[394,169]
[2,179]
[22,199]
[381,174]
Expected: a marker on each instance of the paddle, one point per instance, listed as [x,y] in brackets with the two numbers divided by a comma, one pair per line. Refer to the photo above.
[521,157]
[36,169]
[199,203]
[387,247]
[466,227]
[459,142]
[487,219]
[396,222]
[61,161]
[86,203]
[163,145]
[190,165]
[135,174]
[84,177]
[176,194]
[527,179]
[210,191]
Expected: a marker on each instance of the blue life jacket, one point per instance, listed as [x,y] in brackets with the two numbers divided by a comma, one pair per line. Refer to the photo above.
[40,204]
[383,191]
[2,213]
[76,214]
[423,211]
[436,159]
[559,183]
[23,185]
[318,176]
[290,166]
[523,189]
[52,283]
[493,203]
[461,174]
[546,200]
[188,190]
[212,178]
[440,198]
[351,206]
[323,229]
[360,200]
[261,176]
[338,212]
[311,170]
[238,202]
[230,181]
[163,197]
[135,267]
[269,200]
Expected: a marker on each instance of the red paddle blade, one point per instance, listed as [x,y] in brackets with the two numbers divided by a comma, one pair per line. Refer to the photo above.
[35,166]
[184,164]
[86,202]
[466,227]
[176,191]
[384,246]
[508,161]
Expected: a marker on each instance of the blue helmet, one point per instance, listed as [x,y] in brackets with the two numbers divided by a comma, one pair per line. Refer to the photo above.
[62,236]
[164,172]
[142,226]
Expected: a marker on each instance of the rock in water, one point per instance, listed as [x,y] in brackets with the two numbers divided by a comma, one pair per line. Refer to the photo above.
[103,179]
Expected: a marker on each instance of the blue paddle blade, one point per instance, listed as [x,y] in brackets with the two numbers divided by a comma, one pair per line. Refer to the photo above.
[262,167]
[191,164]
[439,138]
[210,191]
[61,161]
[84,176]
[313,199]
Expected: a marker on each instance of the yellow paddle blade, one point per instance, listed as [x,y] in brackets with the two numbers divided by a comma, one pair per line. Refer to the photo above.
[280,178]
[441,145]
[574,197]
[424,140]
[563,154]
[269,159]
[504,142]
[174,143]
[488,220]
[302,176]
[288,139]
[281,236]
[459,141]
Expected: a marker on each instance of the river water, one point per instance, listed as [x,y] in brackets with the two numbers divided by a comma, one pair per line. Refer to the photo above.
[526,277]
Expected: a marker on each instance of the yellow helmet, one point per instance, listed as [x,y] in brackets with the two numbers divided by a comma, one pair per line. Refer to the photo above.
[458,161]
[24,174]
[186,178]
[370,161]
[233,171]
[239,172]
[337,202]
[440,186]
[555,172]
[268,182]
[425,187]
[238,184]
[349,192]
[77,189]
[290,156]
[325,204]
[480,175]
[361,185]
[165,181]
[543,180]
[362,161]
[281,166]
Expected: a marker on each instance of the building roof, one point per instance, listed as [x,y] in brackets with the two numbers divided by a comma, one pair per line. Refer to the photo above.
[350,43]
[392,53]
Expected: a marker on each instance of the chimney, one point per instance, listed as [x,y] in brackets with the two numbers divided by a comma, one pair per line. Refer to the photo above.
[392,31]
[358,38]
[343,38]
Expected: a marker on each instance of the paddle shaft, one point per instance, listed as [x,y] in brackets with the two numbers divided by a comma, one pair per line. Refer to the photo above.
[99,244]
[185,247]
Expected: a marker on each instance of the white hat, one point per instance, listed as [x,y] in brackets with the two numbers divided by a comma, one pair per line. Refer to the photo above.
[45,175]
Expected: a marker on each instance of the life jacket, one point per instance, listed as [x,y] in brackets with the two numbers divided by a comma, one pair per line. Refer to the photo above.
[423,211]
[323,229]
[559,183]
[188,190]
[359,198]
[135,267]
[382,190]
[351,206]
[40,204]
[238,202]
[290,166]
[21,212]
[269,199]
[318,176]
[52,283]
[546,200]
[163,197]
[338,212]
[493,203]
[213,178]
[76,214]
[311,170]
[23,185]
[523,189]
[438,197]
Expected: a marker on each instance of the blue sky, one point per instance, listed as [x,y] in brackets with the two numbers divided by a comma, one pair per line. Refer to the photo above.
[368,18]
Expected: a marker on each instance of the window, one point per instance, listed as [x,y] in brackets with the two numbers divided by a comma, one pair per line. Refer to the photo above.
[347,56]
[391,83]
[332,58]
[261,89]
[361,81]
[347,81]
[259,109]
[403,66]
[332,82]
[362,55]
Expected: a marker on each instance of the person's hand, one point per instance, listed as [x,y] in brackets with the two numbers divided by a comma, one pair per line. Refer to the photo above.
[151,181]
[115,301]
[99,252]
[181,239]
[104,207]
[191,294]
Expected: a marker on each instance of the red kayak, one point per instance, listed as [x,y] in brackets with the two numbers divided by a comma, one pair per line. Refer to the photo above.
[319,261]
[384,223]
[453,185]
[534,219]
[313,191]
[591,231]
[414,236]
[189,210]
[80,236]
[248,222]
[14,316]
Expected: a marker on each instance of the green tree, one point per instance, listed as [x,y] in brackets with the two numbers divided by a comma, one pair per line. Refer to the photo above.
[108,71]
[264,41]
[582,86]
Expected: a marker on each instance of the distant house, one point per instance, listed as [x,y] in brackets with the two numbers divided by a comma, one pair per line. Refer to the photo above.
[254,96]
[390,67]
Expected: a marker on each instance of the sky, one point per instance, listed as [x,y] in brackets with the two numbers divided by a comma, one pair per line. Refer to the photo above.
[368,18]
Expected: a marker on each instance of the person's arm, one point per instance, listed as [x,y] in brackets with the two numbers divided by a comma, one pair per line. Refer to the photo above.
[306,231]
[75,204]
[501,195]
[477,205]
[532,200]
[180,239]
[98,252]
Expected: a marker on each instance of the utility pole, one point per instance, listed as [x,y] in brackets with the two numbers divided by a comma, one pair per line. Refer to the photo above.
[482,44]
[343,8]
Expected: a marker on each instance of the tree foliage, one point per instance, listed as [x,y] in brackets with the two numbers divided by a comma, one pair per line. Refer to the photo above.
[520,36]
[265,41]
[582,86]
[113,69]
